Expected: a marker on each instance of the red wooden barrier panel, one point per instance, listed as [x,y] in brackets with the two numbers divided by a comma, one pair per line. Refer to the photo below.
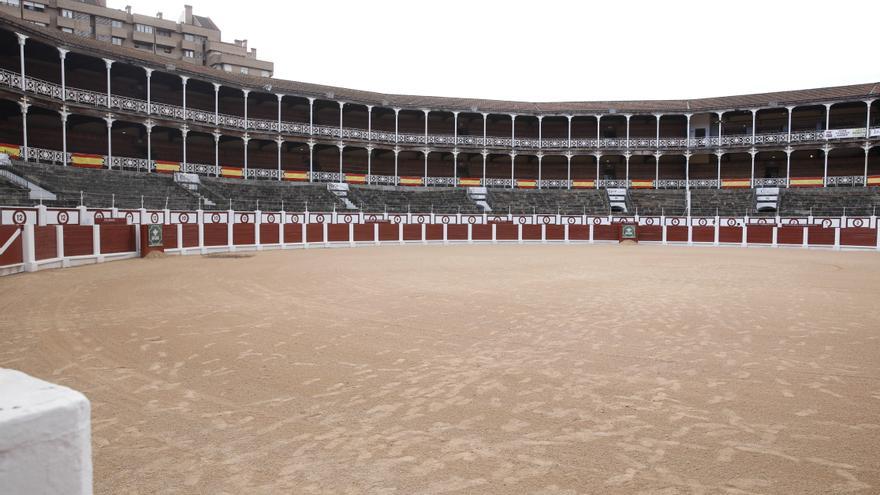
[45,242]
[790,235]
[456,232]
[292,233]
[759,234]
[578,232]
[605,232]
[169,236]
[481,232]
[676,233]
[363,232]
[78,240]
[531,232]
[117,239]
[315,232]
[190,235]
[244,233]
[650,233]
[506,232]
[820,236]
[12,255]
[389,232]
[858,236]
[555,233]
[269,233]
[412,232]
[337,232]
[730,234]
[215,234]
[702,234]
[434,232]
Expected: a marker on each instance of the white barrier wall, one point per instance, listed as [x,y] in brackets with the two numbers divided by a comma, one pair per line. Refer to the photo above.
[45,437]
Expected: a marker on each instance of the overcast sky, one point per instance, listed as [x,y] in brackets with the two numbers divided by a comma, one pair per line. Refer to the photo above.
[547,50]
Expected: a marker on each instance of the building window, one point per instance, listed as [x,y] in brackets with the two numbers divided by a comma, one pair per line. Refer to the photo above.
[143,28]
[116,24]
[116,40]
[67,14]
[188,37]
[227,67]
[166,49]
[188,54]
[12,3]
[36,7]
[67,30]
[244,70]
[266,73]
[163,32]
[38,23]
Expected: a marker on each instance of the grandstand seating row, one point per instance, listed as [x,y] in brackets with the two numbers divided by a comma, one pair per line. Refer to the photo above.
[102,188]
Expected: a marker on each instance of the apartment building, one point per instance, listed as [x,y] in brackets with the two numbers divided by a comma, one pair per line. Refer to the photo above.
[191,39]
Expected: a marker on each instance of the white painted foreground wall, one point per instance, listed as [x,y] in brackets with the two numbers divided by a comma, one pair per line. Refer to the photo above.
[45,437]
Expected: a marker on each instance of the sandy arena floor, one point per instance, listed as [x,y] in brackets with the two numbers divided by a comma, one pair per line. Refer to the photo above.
[467,369]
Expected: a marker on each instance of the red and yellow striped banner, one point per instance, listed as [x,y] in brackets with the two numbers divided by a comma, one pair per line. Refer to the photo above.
[164,167]
[731,183]
[13,150]
[232,172]
[85,160]
[526,183]
[469,182]
[296,175]
[583,184]
[356,178]
[641,184]
[806,182]
[874,180]
[411,181]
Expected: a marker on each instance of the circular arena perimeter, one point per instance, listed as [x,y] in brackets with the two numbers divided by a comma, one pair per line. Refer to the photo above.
[467,369]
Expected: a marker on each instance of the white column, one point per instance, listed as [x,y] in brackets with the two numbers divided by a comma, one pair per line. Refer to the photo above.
[867,148]
[64,114]
[687,132]
[216,153]
[718,157]
[425,179]
[598,159]
[108,63]
[396,152]
[426,127]
[369,123]
[868,120]
[369,164]
[396,128]
[827,119]
[628,116]
[21,41]
[512,171]
[656,170]
[788,152]
[183,80]
[246,92]
[311,160]
[540,158]
[280,141]
[687,170]
[62,54]
[826,150]
[720,121]
[279,96]
[512,131]
[341,149]
[455,129]
[790,110]
[626,177]
[752,152]
[657,139]
[24,105]
[216,103]
[109,120]
[485,117]
[245,139]
[148,125]
[569,133]
[184,130]
[540,131]
[455,167]
[598,130]
[311,117]
[341,106]
[754,124]
[485,154]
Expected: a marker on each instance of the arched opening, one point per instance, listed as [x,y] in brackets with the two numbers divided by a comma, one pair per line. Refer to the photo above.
[295,109]
[354,159]
[230,101]
[200,148]
[807,163]
[230,152]
[262,106]
[41,61]
[470,165]
[470,124]
[10,122]
[525,167]
[584,167]
[584,127]
[671,167]
[846,166]
[166,88]
[771,121]
[129,81]
[770,165]
[295,156]
[86,134]
[703,169]
[641,168]
[498,166]
[167,144]
[737,123]
[44,129]
[354,116]
[262,154]
[129,142]
[736,166]
[499,125]
[441,164]
[411,122]
[554,167]
[613,167]
[849,115]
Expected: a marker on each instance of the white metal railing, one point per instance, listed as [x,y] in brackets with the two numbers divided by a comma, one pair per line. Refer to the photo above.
[770,182]
[613,183]
[702,183]
[327,177]
[490,182]
[262,173]
[441,181]
[554,184]
[670,184]
[852,180]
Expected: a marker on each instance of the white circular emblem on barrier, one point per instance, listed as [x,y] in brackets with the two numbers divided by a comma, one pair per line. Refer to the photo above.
[675,222]
[762,221]
[522,220]
[826,223]
[270,218]
[319,218]
[184,218]
[395,219]
[215,218]
[792,221]
[99,215]
[731,222]
[346,219]
[445,220]
[649,221]
[154,217]
[572,220]
[19,217]
[420,219]
[129,217]
[597,221]
[703,222]
[63,217]
[244,219]
[371,218]
[472,220]
[858,222]
[294,218]
[547,220]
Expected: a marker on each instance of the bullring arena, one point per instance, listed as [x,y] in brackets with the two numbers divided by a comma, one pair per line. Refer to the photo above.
[228,283]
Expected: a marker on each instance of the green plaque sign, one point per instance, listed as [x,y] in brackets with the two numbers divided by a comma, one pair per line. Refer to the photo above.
[628,232]
[154,235]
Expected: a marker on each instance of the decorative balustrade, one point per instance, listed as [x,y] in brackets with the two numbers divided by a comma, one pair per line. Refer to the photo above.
[134,105]
[262,173]
[554,184]
[327,177]
[613,183]
[441,181]
[770,182]
[49,156]
[126,163]
[489,182]
[853,180]
[201,169]
[385,180]
[670,184]
[702,183]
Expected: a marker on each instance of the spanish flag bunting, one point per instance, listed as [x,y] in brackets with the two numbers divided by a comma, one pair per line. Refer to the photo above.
[410,181]
[84,160]
[469,182]
[232,172]
[874,180]
[164,167]
[356,178]
[806,182]
[296,175]
[13,150]
[736,183]
[526,183]
[642,184]
[583,184]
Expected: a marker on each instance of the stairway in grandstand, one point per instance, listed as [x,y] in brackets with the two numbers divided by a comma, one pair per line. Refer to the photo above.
[269,195]
[377,199]
[12,194]
[562,201]
[341,192]
[767,199]
[617,200]
[106,188]
[832,201]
